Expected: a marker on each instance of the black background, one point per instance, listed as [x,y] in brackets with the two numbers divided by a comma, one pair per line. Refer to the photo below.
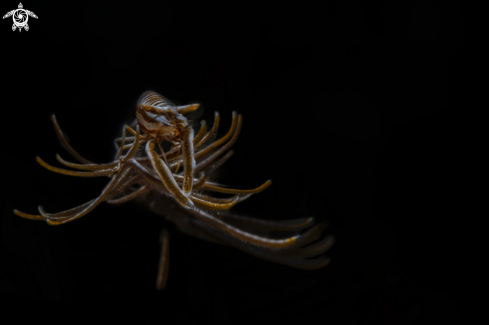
[353,110]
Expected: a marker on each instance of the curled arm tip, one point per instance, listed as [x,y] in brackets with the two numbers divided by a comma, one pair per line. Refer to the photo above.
[27,216]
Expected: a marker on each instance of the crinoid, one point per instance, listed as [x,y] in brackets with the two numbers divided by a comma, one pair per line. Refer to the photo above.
[155,181]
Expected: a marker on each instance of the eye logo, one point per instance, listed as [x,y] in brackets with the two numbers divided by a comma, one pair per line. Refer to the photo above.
[20,17]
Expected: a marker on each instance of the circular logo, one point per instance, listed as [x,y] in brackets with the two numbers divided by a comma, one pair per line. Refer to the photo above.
[20,17]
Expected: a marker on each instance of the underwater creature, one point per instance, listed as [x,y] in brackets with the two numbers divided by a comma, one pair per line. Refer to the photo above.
[154,179]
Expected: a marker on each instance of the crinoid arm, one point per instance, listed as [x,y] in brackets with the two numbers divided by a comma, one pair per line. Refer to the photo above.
[187,108]
[166,176]
[188,161]
[107,193]
[286,242]
[237,121]
[212,132]
[167,184]
[96,173]
[200,135]
[164,260]
[296,255]
[128,197]
[65,143]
